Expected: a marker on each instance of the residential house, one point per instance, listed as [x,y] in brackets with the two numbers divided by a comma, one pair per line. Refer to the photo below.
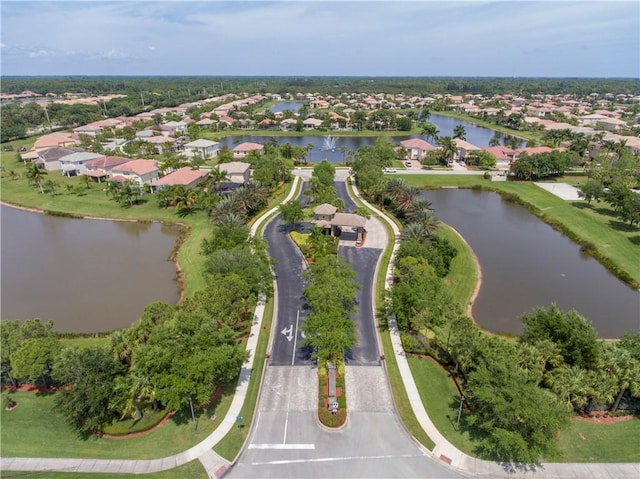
[205,123]
[174,128]
[49,158]
[504,155]
[185,176]
[238,172]
[162,143]
[140,171]
[74,163]
[243,149]
[202,148]
[55,139]
[91,130]
[100,168]
[591,120]
[288,124]
[417,148]
[311,123]
[463,148]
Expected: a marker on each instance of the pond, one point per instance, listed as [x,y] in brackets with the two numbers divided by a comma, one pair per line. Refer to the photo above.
[334,148]
[294,106]
[526,263]
[86,275]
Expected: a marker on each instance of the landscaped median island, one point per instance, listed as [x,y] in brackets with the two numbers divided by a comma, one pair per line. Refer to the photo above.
[496,398]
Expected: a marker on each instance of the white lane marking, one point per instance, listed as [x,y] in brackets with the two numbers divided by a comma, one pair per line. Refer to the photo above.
[295,338]
[286,424]
[325,459]
[282,446]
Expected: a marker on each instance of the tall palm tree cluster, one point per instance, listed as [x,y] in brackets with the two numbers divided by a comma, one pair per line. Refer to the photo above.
[243,202]
[419,218]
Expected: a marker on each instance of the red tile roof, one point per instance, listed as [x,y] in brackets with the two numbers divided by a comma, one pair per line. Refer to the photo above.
[417,143]
[183,176]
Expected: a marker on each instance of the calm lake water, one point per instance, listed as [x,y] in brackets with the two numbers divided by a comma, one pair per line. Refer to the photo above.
[330,147]
[294,106]
[86,275]
[526,263]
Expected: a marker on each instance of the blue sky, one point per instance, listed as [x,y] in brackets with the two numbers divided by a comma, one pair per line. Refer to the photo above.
[558,38]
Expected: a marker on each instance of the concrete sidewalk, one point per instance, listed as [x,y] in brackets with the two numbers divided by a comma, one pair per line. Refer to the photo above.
[214,464]
[448,453]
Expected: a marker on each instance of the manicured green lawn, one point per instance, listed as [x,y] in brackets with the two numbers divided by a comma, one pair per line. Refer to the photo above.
[584,441]
[462,278]
[617,246]
[579,441]
[35,429]
[191,470]
[441,400]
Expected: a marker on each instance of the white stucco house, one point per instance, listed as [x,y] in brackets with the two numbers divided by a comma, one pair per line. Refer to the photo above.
[203,148]
[140,171]
[74,164]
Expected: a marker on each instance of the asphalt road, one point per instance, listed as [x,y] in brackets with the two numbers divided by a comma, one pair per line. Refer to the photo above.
[363,261]
[341,188]
[286,345]
[286,441]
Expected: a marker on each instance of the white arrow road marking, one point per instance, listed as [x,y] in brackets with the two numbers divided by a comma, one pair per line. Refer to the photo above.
[288,333]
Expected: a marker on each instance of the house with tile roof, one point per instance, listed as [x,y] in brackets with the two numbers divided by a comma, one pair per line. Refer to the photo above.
[416,148]
[55,139]
[185,176]
[243,149]
[238,172]
[101,168]
[140,171]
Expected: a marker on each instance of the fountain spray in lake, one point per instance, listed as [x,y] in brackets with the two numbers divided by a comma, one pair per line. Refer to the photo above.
[329,144]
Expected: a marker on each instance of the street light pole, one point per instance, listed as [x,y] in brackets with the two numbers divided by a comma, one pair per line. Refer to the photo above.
[193,416]
[460,409]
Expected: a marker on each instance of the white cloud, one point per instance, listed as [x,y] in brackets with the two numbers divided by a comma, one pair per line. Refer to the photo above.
[323,37]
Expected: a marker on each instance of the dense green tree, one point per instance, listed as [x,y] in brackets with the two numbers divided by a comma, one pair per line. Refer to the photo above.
[33,360]
[520,419]
[574,335]
[592,189]
[90,374]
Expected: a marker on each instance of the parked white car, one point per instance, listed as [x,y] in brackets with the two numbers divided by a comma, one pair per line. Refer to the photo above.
[390,170]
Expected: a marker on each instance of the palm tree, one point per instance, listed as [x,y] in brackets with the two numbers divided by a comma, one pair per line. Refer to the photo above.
[217,177]
[415,231]
[430,131]
[394,187]
[225,207]
[186,201]
[425,217]
[407,197]
[460,132]
[35,175]
[449,148]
